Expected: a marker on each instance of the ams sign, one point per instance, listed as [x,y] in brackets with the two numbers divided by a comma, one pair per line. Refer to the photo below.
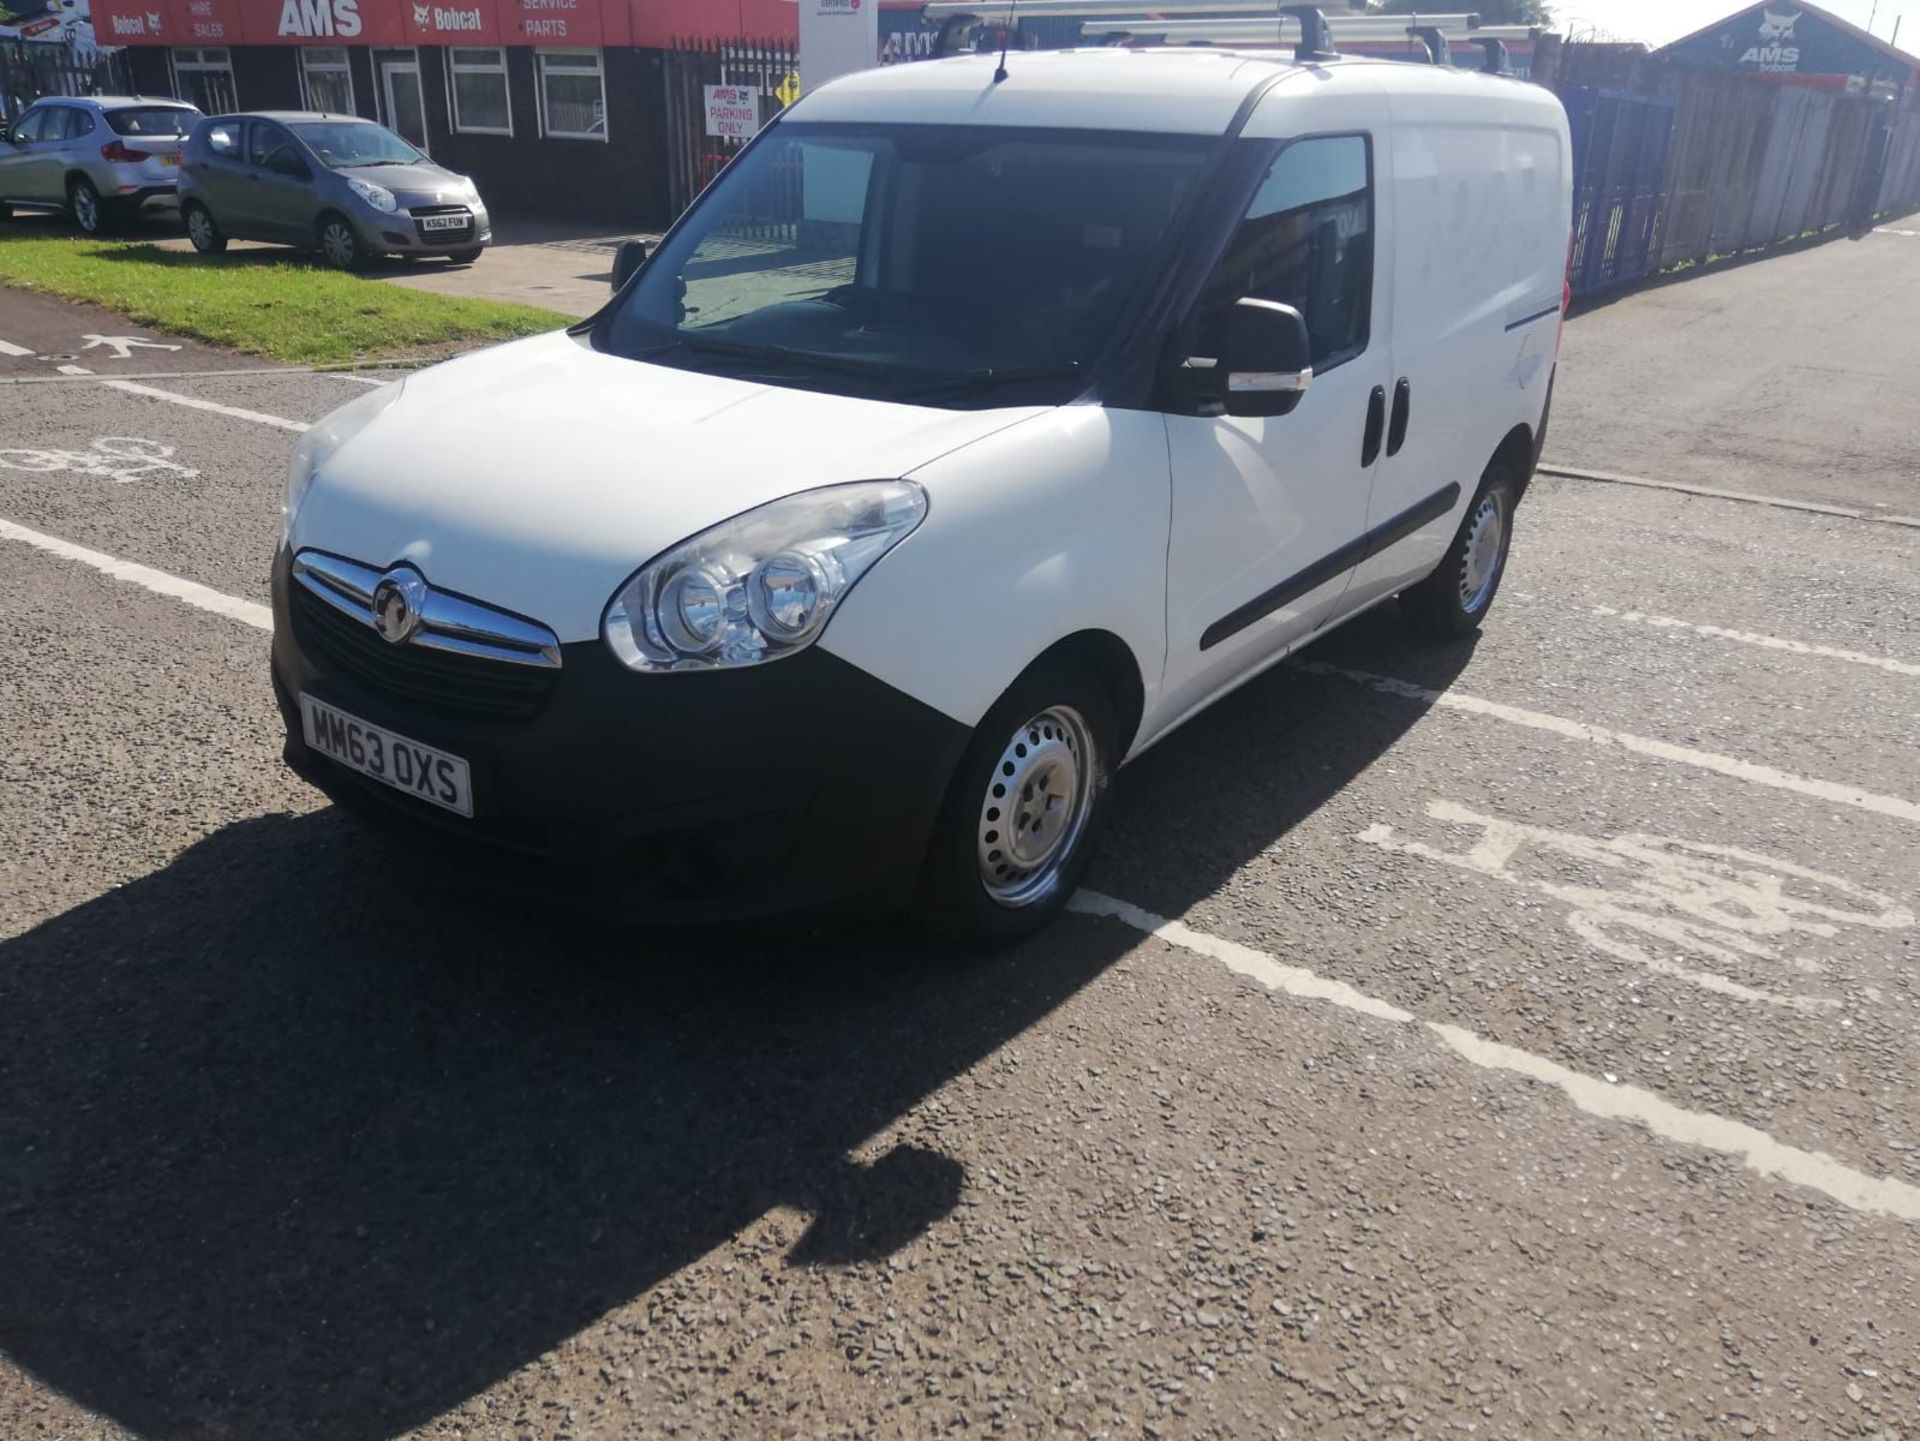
[315,19]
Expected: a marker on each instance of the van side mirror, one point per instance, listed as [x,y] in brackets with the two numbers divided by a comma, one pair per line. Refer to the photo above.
[631,255]
[1269,358]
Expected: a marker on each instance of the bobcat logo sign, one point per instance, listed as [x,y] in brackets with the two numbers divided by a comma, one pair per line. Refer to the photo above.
[420,15]
[311,19]
[1775,53]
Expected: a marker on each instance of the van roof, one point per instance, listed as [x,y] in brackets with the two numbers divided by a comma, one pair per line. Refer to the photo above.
[1189,90]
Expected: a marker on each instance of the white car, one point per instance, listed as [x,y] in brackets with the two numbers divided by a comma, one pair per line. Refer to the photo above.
[962,441]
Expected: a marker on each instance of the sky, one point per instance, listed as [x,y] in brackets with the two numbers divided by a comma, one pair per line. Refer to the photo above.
[1658,21]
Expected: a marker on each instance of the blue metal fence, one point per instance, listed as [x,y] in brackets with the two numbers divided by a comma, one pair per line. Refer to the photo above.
[1620,148]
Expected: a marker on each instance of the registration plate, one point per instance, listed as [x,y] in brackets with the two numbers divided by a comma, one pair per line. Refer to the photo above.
[406,765]
[170,159]
[443,222]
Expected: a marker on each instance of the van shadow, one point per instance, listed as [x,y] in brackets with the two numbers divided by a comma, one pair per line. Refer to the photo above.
[302,1136]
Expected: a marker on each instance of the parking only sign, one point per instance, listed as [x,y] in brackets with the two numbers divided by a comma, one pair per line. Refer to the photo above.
[733,111]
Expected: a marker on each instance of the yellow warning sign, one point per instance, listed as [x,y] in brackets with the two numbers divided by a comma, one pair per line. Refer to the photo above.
[788,90]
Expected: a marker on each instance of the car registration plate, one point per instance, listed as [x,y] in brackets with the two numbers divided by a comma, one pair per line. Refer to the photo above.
[170,158]
[406,765]
[443,222]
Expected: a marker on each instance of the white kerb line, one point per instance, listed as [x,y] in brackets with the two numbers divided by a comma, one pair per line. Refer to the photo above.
[193,402]
[1759,1151]
[146,577]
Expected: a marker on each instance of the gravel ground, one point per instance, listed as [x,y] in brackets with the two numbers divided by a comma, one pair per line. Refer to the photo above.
[1499,1074]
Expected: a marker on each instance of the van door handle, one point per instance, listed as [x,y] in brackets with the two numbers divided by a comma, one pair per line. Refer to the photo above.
[1402,413]
[1376,424]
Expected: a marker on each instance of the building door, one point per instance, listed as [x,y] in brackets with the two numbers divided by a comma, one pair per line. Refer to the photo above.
[400,92]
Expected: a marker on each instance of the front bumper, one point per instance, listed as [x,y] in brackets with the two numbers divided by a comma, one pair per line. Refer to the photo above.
[402,233]
[802,785]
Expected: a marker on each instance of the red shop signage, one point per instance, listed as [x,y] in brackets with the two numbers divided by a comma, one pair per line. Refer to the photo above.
[449,22]
[135,22]
[552,22]
[206,22]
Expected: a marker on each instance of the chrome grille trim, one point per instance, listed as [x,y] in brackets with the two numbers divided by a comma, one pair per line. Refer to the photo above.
[447,622]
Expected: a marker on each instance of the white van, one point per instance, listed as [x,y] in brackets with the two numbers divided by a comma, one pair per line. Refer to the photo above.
[966,438]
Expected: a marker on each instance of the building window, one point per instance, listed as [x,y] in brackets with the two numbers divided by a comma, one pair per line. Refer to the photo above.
[204,77]
[573,94]
[477,89]
[329,82]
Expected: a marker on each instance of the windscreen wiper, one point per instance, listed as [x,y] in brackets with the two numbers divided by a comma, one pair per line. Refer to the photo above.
[986,377]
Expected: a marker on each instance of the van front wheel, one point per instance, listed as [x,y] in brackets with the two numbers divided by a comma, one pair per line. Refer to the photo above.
[1025,809]
[1456,597]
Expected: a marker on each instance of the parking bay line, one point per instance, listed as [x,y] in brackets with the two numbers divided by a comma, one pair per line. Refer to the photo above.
[1750,771]
[1756,1148]
[194,402]
[158,581]
[1759,1151]
[7,347]
[1755,638]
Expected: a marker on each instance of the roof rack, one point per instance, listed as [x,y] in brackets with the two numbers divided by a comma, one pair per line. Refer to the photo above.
[1234,22]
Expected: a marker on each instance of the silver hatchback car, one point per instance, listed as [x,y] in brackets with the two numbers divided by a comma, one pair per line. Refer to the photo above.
[100,158]
[348,187]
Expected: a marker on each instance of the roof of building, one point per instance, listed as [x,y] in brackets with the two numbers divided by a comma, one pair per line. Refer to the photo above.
[1826,17]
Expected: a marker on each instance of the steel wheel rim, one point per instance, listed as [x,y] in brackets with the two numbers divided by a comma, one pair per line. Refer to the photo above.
[85,211]
[1035,809]
[337,241]
[200,227]
[1485,552]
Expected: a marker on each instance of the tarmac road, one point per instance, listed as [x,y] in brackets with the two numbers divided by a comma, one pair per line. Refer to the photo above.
[1510,1039]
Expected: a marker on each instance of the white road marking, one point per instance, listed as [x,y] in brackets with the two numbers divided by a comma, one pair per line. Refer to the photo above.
[120,458]
[193,402]
[123,345]
[1889,230]
[356,379]
[1609,477]
[1761,1152]
[1749,771]
[73,370]
[1713,902]
[158,581]
[7,347]
[1766,642]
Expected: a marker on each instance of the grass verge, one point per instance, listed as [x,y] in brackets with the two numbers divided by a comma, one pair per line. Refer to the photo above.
[266,301]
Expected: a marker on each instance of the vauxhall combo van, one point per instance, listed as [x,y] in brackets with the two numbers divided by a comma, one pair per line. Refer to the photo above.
[968,436]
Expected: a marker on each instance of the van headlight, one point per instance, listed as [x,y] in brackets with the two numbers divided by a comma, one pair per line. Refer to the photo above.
[324,437]
[762,585]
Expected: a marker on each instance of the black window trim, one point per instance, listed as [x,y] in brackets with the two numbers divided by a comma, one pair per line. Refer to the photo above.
[1273,153]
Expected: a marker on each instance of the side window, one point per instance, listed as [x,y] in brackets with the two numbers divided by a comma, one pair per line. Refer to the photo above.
[32,125]
[1305,241]
[63,123]
[79,122]
[224,140]
[262,142]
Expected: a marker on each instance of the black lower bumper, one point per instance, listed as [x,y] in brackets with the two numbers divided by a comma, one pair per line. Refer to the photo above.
[801,785]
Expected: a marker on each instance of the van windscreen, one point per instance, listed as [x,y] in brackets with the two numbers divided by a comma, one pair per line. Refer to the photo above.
[910,260]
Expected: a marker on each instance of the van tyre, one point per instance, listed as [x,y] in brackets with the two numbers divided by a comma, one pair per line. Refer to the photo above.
[202,230]
[85,208]
[340,243]
[1455,598]
[1024,811]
